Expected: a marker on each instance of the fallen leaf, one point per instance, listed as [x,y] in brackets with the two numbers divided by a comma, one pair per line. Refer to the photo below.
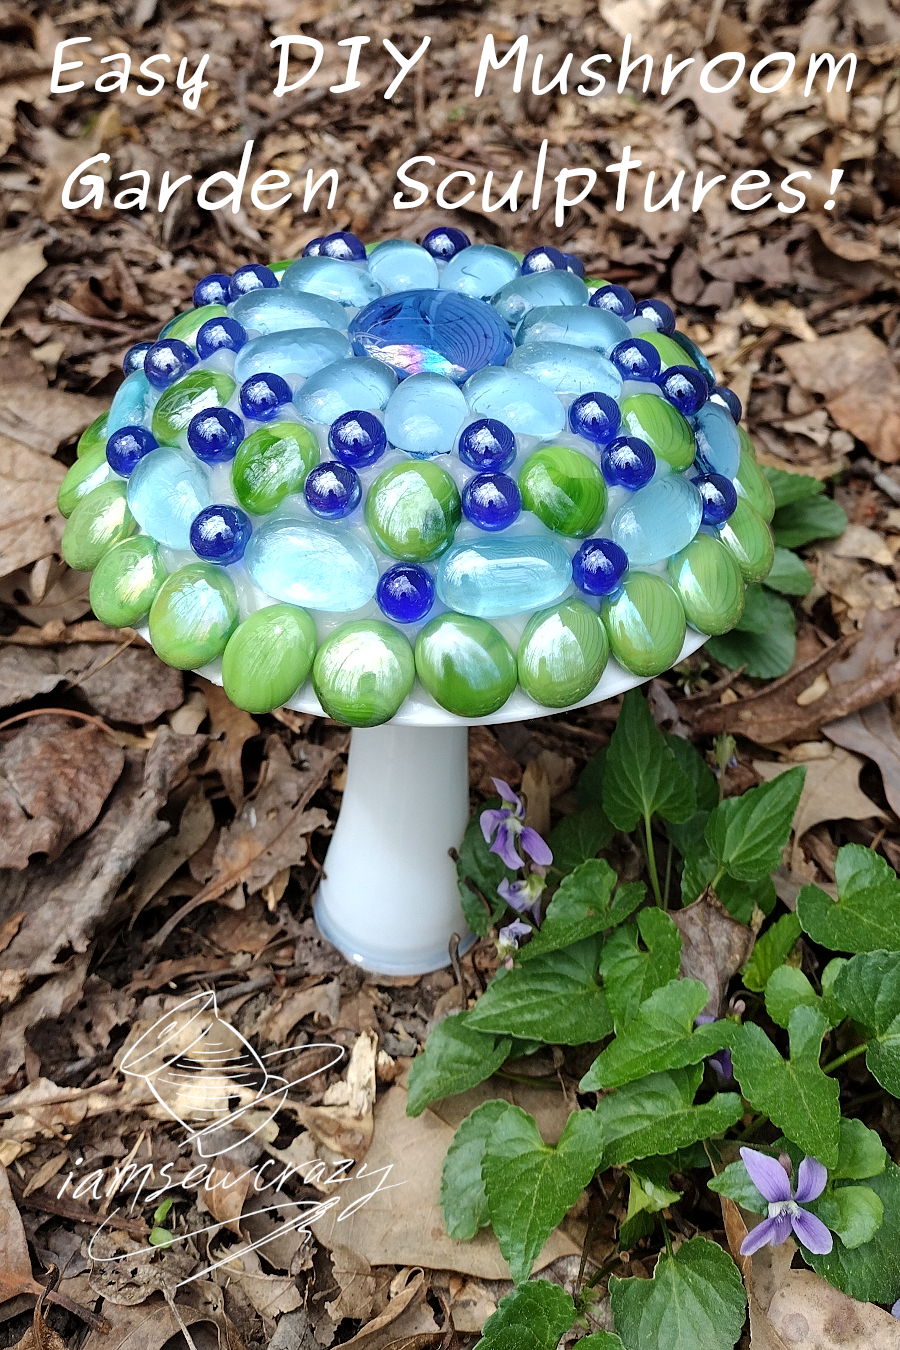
[247,930]
[859,587]
[230,729]
[153,1323]
[39,1335]
[162,862]
[810,1314]
[277,1022]
[223,1195]
[15,1263]
[837,367]
[713,946]
[488,760]
[41,419]
[344,1122]
[123,683]
[406,1315]
[859,541]
[831,790]
[50,1002]
[871,732]
[358,1286]
[30,525]
[270,1295]
[21,264]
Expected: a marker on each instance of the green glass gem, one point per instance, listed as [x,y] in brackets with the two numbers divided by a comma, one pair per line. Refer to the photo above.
[194,392]
[363,672]
[186,326]
[645,624]
[465,664]
[670,354]
[96,434]
[99,520]
[708,582]
[564,489]
[654,420]
[268,657]
[126,580]
[272,462]
[193,616]
[280,267]
[562,654]
[748,538]
[750,480]
[85,474]
[413,510]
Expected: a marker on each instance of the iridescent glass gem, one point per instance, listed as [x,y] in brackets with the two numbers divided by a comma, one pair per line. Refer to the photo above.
[193,616]
[99,520]
[441,332]
[126,580]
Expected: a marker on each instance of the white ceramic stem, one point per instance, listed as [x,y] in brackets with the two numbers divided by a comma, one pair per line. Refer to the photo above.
[389,899]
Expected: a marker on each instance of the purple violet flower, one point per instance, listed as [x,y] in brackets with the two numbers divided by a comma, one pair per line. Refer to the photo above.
[720,1062]
[895,1310]
[525,894]
[505,824]
[785,1214]
[508,937]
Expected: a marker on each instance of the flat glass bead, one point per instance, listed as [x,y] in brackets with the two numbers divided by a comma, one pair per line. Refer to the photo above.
[487,445]
[562,654]
[220,534]
[491,501]
[424,414]
[193,616]
[751,482]
[401,265]
[313,565]
[599,567]
[127,447]
[363,673]
[708,582]
[628,463]
[465,665]
[717,440]
[344,387]
[405,592]
[214,435]
[748,538]
[85,474]
[125,581]
[440,332]
[282,311]
[595,416]
[332,490]
[347,282]
[220,335]
[719,497]
[564,489]
[685,388]
[296,351]
[576,325]
[413,510]
[194,392]
[272,462]
[645,624]
[565,369]
[188,325]
[357,439]
[657,521]
[479,271]
[133,403]
[93,435]
[526,406]
[617,299]
[655,421]
[670,353]
[268,657]
[445,242]
[165,492]
[251,277]
[525,293]
[492,578]
[99,520]
[342,244]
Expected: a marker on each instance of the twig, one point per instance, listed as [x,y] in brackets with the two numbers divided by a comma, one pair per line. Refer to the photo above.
[878,477]
[59,712]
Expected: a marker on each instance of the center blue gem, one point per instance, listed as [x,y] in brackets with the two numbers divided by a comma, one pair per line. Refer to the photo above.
[432,330]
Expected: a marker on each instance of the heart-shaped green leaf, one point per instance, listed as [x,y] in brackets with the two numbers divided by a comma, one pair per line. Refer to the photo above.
[866,917]
[662,1036]
[456,1057]
[657,1115]
[553,998]
[695,1301]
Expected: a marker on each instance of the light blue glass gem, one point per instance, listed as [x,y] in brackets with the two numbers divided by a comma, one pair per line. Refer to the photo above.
[717,439]
[480,271]
[658,520]
[578,325]
[133,403]
[401,265]
[301,351]
[346,386]
[347,282]
[424,414]
[518,297]
[527,407]
[491,578]
[311,565]
[269,311]
[165,492]
[560,366]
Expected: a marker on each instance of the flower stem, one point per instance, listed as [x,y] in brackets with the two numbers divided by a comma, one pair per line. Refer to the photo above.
[651,863]
[845,1057]
[665,1232]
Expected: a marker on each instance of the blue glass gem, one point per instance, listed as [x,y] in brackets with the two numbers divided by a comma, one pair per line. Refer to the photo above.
[628,463]
[313,248]
[599,567]
[332,490]
[133,403]
[424,414]
[357,439]
[251,277]
[299,351]
[219,534]
[528,407]
[445,242]
[280,311]
[135,356]
[480,271]
[166,361]
[614,298]
[127,447]
[718,443]
[437,331]
[165,492]
[487,445]
[595,416]
[220,335]
[263,395]
[546,258]
[212,290]
[658,312]
[636,359]
[405,592]
[657,521]
[347,283]
[729,399]
[215,434]
[344,386]
[491,578]
[574,264]
[491,501]
[685,387]
[312,565]
[342,245]
[566,369]
[719,498]
[577,325]
[524,293]
[401,265]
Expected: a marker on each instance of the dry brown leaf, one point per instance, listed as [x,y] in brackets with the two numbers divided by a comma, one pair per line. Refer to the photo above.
[30,525]
[123,683]
[358,1286]
[871,732]
[270,1295]
[713,946]
[407,1315]
[344,1122]
[21,264]
[223,1195]
[162,862]
[50,1002]
[488,760]
[831,790]
[277,1022]
[15,1263]
[230,729]
[810,1314]
[39,1335]
[153,1323]
[838,366]
[248,930]
[41,418]
[859,541]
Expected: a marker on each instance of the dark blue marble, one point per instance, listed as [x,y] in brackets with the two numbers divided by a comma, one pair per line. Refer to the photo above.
[215,434]
[405,592]
[544,259]
[166,361]
[491,501]
[357,439]
[629,463]
[251,277]
[219,534]
[217,335]
[658,312]
[437,332]
[719,498]
[445,242]
[487,445]
[212,290]
[127,447]
[599,567]
[614,298]
[685,387]
[332,490]
[596,417]
[135,357]
[263,395]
